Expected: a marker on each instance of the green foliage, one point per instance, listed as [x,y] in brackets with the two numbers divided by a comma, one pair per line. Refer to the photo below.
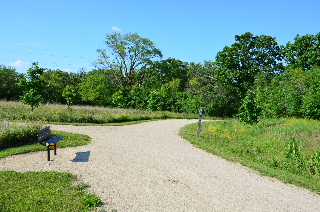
[80,114]
[304,52]
[128,77]
[9,80]
[249,111]
[155,101]
[43,191]
[165,71]
[138,97]
[119,99]
[91,200]
[33,86]
[310,107]
[70,94]
[283,96]
[128,53]
[97,88]
[32,97]
[12,135]
[224,102]
[288,149]
[250,55]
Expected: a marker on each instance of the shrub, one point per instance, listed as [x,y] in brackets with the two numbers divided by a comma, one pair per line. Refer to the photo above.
[12,135]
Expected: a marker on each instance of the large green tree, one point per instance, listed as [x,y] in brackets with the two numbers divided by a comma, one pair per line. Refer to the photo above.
[158,73]
[96,88]
[9,80]
[240,63]
[125,55]
[304,52]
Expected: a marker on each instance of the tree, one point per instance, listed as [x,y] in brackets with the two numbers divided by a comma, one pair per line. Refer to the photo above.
[70,95]
[304,52]
[201,87]
[9,80]
[283,96]
[310,107]
[33,86]
[249,112]
[250,55]
[56,81]
[157,73]
[125,54]
[96,88]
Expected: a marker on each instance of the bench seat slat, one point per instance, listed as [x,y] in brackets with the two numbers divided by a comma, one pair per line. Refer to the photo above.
[54,140]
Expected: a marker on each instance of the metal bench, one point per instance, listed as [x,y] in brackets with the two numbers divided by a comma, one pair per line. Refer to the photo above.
[43,135]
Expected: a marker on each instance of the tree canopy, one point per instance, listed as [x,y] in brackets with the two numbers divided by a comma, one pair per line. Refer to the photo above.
[304,52]
[250,55]
[253,77]
[124,55]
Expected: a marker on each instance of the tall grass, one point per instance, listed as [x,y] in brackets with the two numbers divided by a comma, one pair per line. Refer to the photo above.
[12,135]
[288,149]
[79,114]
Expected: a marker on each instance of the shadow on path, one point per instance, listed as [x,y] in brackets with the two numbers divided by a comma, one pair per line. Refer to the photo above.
[82,157]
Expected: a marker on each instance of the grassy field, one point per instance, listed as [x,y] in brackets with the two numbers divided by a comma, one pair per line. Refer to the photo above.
[53,113]
[288,149]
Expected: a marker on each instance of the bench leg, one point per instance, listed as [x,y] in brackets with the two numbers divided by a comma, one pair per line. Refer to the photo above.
[49,153]
[55,149]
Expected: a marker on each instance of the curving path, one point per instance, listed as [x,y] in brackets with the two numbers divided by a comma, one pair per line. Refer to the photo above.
[148,167]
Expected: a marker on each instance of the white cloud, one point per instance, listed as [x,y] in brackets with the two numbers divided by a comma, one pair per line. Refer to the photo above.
[114,28]
[20,63]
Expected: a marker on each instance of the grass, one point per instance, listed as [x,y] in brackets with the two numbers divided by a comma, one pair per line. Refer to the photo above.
[44,191]
[16,111]
[54,191]
[40,191]
[288,149]
[69,140]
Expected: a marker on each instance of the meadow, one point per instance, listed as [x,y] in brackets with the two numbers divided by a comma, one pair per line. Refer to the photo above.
[288,149]
[57,113]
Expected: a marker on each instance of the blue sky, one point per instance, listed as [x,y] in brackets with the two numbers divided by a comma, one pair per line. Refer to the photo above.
[65,34]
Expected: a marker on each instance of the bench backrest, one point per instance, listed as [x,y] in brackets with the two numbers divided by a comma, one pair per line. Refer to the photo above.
[44,133]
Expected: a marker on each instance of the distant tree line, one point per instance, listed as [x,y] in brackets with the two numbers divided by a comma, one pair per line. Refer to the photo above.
[254,77]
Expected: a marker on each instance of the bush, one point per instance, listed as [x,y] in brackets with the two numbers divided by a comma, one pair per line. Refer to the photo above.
[248,111]
[12,135]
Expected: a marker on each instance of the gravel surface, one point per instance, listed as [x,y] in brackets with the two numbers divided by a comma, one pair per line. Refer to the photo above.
[148,167]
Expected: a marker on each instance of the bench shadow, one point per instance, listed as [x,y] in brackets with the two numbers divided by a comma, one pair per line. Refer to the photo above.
[82,157]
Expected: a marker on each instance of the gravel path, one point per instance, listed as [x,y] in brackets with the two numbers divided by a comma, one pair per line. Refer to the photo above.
[148,167]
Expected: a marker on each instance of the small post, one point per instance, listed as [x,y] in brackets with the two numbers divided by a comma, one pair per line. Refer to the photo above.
[55,149]
[201,112]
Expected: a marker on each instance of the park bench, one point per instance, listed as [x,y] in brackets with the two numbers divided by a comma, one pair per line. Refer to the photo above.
[45,139]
